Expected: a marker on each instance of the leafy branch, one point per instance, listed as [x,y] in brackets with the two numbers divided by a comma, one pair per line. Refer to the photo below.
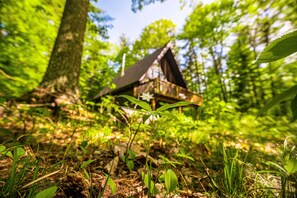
[277,49]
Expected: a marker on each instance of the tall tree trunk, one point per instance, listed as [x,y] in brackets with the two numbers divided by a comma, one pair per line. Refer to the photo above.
[62,74]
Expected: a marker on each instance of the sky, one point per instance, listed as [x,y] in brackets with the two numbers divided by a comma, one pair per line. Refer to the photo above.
[131,24]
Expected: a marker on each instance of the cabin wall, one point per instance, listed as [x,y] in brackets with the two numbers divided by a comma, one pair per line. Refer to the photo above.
[167,71]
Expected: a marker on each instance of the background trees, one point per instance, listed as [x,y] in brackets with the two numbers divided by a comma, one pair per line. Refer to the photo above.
[221,42]
[27,33]
[216,48]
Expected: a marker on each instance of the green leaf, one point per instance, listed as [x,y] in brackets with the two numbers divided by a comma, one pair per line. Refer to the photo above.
[112,185]
[132,154]
[86,163]
[149,183]
[291,166]
[20,152]
[140,103]
[87,176]
[130,164]
[170,106]
[276,100]
[7,153]
[279,48]
[294,108]
[2,148]
[170,180]
[47,193]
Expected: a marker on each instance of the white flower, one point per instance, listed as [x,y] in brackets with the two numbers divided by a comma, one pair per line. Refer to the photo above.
[147,96]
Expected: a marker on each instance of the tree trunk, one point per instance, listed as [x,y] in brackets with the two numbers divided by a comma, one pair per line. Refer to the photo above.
[62,74]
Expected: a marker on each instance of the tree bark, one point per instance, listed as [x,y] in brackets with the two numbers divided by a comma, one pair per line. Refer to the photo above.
[62,74]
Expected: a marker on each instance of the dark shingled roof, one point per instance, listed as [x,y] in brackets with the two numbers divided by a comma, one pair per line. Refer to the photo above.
[134,73]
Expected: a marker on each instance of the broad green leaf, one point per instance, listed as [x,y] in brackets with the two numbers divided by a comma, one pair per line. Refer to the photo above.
[291,166]
[294,108]
[170,106]
[170,180]
[140,103]
[20,152]
[149,183]
[7,153]
[132,154]
[2,148]
[276,100]
[279,48]
[130,164]
[112,185]
[47,193]
[86,163]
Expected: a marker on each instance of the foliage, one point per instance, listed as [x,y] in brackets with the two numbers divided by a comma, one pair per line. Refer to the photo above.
[47,193]
[28,29]
[233,174]
[152,37]
[170,180]
[286,169]
[278,49]
[138,4]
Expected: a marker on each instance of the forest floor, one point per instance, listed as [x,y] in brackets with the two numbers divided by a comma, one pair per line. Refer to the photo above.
[84,153]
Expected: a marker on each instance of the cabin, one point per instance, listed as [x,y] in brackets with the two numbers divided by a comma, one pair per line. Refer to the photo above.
[157,75]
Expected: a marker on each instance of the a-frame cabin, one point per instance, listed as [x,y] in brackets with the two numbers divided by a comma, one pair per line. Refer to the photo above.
[157,74]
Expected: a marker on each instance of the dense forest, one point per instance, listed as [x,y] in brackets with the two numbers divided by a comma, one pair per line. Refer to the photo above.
[57,141]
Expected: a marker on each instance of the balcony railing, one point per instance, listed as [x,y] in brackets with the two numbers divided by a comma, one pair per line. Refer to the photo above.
[169,90]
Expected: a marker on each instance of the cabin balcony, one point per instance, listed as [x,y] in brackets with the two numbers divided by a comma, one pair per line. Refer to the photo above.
[167,92]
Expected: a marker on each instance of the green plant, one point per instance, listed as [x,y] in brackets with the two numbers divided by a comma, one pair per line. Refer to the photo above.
[110,182]
[147,180]
[147,112]
[84,166]
[277,49]
[129,159]
[22,165]
[171,181]
[10,188]
[286,169]
[233,173]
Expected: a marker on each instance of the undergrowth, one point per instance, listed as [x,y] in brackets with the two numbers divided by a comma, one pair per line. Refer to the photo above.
[97,150]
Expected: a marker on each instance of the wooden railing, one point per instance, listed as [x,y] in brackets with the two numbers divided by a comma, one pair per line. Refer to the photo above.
[168,89]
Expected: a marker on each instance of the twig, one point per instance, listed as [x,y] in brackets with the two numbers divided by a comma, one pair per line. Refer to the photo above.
[43,177]
[7,76]
[19,106]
